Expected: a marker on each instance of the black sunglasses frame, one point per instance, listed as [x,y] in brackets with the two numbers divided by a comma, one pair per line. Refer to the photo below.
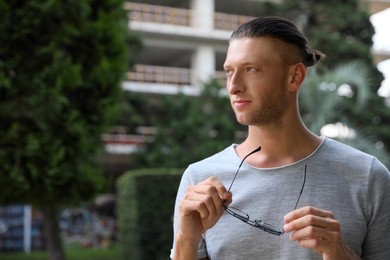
[245,217]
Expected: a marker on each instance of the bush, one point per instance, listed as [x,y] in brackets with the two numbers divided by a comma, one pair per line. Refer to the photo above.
[145,212]
[74,253]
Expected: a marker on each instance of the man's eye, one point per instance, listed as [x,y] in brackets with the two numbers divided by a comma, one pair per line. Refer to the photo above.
[249,69]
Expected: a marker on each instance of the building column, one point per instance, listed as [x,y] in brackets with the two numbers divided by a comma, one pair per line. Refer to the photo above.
[203,65]
[203,59]
[203,13]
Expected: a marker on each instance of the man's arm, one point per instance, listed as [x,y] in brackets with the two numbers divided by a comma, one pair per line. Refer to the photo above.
[200,209]
[185,248]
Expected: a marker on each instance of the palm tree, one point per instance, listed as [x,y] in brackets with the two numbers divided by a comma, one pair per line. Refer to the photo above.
[329,97]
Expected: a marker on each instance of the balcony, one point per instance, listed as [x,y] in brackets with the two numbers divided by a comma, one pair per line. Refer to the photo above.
[119,141]
[375,6]
[160,75]
[164,80]
[229,22]
[171,37]
[179,16]
[158,14]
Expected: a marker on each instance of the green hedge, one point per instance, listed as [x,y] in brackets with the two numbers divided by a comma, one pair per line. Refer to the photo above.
[145,212]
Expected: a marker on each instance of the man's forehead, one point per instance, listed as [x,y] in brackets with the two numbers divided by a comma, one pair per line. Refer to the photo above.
[251,47]
[249,50]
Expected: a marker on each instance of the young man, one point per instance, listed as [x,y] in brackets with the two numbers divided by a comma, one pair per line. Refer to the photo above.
[297,196]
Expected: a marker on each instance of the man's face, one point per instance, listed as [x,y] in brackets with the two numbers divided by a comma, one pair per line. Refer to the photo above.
[257,79]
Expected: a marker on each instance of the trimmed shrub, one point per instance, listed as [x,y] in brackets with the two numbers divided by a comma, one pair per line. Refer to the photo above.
[145,208]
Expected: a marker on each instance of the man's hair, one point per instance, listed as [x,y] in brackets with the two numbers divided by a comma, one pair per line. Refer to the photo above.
[281,29]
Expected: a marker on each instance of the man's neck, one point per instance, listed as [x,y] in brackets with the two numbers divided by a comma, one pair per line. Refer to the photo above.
[279,146]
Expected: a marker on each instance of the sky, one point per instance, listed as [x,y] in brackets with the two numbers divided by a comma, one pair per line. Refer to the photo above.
[381,21]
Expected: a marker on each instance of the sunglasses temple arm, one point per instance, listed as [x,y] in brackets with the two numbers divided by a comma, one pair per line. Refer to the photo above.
[303,185]
[235,175]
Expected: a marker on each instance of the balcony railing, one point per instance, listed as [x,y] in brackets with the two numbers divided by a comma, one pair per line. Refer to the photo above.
[124,139]
[179,16]
[167,75]
[158,14]
[160,75]
[119,141]
[229,22]
[123,143]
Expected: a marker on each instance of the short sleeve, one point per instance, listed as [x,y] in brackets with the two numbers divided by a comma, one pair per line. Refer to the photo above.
[377,240]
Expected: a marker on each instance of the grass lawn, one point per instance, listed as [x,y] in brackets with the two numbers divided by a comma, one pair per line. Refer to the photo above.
[72,253]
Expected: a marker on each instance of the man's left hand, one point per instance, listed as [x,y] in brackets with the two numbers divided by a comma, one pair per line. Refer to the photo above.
[318,229]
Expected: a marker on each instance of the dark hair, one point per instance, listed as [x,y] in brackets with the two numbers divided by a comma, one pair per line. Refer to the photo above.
[282,29]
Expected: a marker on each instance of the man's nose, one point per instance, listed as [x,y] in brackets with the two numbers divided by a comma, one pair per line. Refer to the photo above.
[234,83]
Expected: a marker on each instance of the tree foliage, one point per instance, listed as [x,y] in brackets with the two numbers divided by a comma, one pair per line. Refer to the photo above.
[189,128]
[322,94]
[322,98]
[60,68]
[342,30]
[61,65]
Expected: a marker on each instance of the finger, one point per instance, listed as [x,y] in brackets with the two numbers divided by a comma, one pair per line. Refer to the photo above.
[207,194]
[308,210]
[221,189]
[322,246]
[317,244]
[312,220]
[189,206]
[229,200]
[209,197]
[313,232]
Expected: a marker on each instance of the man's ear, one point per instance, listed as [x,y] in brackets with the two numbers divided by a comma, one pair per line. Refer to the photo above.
[298,74]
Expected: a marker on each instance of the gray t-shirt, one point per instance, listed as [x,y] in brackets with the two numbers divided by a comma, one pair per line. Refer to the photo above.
[353,185]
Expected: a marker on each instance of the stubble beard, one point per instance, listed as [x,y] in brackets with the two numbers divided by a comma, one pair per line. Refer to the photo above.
[269,113]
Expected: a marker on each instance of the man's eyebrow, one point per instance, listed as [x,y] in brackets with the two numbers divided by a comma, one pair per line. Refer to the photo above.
[244,63]
[250,63]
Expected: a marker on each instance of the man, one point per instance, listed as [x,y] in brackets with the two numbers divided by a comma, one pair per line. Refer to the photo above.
[284,193]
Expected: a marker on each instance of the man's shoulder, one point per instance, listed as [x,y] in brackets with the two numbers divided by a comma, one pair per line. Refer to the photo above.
[337,148]
[214,165]
[218,158]
[333,151]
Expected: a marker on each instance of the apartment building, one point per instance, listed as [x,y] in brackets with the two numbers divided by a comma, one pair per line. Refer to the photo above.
[185,41]
[185,44]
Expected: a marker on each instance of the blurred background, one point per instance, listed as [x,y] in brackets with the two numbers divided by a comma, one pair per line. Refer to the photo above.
[104,103]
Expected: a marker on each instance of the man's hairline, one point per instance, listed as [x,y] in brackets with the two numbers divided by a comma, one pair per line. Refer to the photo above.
[288,59]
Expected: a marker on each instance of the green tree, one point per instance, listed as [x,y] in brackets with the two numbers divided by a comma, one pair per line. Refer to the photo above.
[61,64]
[189,128]
[322,93]
[320,98]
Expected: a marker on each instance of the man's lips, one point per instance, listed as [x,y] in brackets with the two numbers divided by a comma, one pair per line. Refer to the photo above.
[239,103]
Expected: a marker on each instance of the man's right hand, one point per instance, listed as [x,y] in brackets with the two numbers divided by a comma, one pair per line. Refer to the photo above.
[199,210]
